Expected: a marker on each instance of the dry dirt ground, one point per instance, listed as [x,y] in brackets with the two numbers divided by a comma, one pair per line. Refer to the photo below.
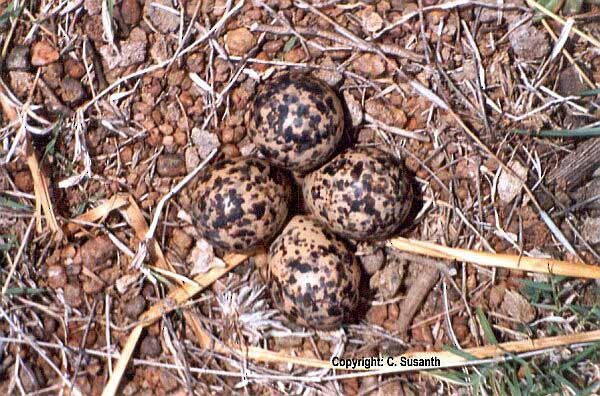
[105,98]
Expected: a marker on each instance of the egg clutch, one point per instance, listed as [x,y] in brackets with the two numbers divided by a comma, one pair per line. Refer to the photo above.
[297,123]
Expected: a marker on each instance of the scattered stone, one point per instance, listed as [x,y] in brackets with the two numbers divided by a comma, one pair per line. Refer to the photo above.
[331,77]
[230,151]
[182,241]
[372,262]
[170,165]
[496,296]
[247,147]
[354,108]
[570,82]
[528,42]
[288,342]
[377,314]
[368,386]
[388,280]
[18,58]
[74,68]
[239,41]
[150,346]
[192,159]
[21,82]
[43,53]
[202,258]
[132,50]
[590,228]
[92,286]
[73,296]
[163,20]
[131,12]
[135,306]
[24,181]
[372,21]
[195,62]
[160,51]
[588,191]
[509,186]
[122,284]
[71,91]
[370,65]
[97,251]
[517,307]
[50,324]
[93,7]
[168,380]
[57,276]
[53,74]
[204,141]
[389,115]
[180,138]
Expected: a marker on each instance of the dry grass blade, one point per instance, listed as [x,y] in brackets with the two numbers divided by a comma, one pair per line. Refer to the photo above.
[101,211]
[134,217]
[40,186]
[510,261]
[40,181]
[172,301]
[447,358]
[592,40]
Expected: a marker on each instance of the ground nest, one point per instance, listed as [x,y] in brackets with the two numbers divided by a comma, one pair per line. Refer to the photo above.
[110,109]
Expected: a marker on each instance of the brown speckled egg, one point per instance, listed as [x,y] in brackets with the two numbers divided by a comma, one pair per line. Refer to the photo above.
[242,203]
[297,121]
[362,193]
[314,278]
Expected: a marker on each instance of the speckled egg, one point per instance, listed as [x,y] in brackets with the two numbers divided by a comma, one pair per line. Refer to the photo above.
[297,121]
[314,278]
[362,193]
[241,203]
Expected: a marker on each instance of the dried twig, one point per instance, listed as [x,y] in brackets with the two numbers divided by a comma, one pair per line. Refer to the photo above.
[389,49]
[509,261]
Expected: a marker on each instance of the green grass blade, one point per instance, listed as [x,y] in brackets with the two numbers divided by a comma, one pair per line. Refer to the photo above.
[9,203]
[565,133]
[487,328]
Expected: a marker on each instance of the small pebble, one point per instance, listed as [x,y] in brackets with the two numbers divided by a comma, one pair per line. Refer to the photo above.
[92,286]
[135,306]
[73,295]
[372,262]
[43,53]
[330,74]
[527,41]
[93,7]
[204,141]
[131,12]
[150,346]
[192,159]
[369,64]
[171,165]
[182,241]
[24,181]
[372,21]
[57,276]
[71,91]
[163,20]
[97,251]
[239,41]
[74,68]
[18,58]
[53,74]
[377,314]
[517,307]
[230,151]
[354,108]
